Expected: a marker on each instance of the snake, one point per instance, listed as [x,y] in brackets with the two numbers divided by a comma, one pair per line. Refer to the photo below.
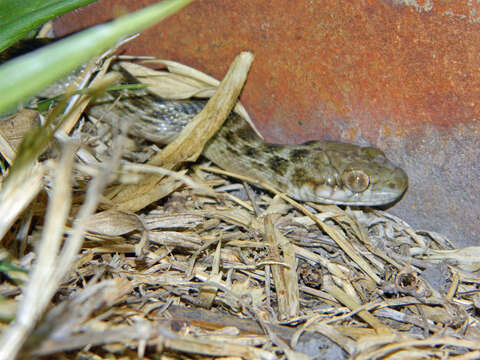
[318,171]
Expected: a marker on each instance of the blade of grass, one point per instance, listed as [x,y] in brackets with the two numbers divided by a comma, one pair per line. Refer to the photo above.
[29,74]
[18,18]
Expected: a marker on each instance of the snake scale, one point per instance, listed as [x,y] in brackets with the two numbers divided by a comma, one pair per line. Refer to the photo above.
[318,171]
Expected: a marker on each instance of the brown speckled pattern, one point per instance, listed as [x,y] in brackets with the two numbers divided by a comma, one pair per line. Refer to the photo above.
[313,171]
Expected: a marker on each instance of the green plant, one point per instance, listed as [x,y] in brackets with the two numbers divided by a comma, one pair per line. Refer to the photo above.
[27,75]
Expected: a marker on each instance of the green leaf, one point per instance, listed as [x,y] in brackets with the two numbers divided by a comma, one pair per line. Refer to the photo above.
[18,18]
[6,267]
[29,74]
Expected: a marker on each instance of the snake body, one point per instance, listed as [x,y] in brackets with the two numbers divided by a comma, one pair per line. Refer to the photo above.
[317,171]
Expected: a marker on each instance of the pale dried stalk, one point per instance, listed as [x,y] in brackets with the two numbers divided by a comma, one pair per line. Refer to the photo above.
[43,284]
[345,299]
[186,147]
[393,345]
[189,144]
[74,242]
[285,278]
[334,269]
[213,348]
[36,297]
[208,292]
[329,331]
[79,103]
[180,176]
[181,82]
[17,194]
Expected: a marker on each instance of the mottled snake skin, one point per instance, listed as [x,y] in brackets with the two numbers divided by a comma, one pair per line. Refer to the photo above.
[318,171]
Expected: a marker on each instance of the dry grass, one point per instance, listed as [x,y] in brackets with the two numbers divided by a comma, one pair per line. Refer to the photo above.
[195,263]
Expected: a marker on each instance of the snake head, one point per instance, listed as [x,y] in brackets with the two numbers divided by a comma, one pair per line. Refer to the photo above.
[347,174]
[372,184]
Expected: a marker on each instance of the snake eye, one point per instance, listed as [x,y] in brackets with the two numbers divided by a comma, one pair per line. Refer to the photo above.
[356,180]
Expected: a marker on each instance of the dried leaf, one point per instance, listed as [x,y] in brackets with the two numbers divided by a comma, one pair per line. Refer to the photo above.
[467,258]
[113,223]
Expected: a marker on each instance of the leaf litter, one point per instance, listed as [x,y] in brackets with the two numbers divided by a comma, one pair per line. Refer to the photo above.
[134,251]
